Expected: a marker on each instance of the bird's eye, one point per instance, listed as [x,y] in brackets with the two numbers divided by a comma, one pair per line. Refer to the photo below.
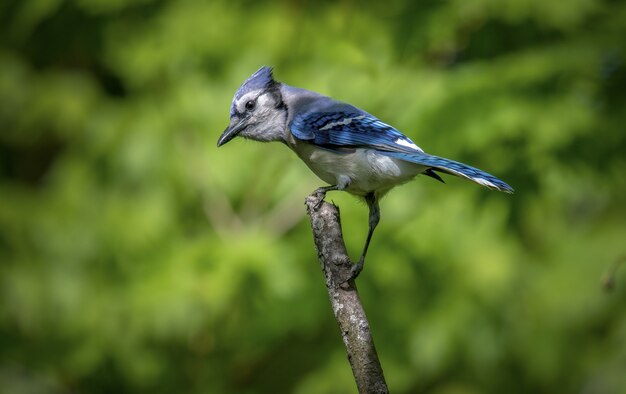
[250,105]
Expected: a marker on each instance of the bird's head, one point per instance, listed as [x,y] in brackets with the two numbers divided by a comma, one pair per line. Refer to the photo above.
[258,111]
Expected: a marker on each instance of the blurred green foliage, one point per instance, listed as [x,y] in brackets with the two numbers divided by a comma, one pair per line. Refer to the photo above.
[136,257]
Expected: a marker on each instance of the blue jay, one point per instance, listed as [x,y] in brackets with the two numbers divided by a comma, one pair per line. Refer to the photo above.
[343,145]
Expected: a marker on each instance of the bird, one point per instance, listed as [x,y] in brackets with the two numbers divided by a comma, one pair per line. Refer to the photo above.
[345,146]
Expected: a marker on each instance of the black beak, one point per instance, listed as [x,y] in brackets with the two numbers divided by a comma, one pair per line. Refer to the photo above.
[231,132]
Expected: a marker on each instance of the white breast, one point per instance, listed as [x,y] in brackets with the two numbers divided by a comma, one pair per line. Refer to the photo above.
[359,172]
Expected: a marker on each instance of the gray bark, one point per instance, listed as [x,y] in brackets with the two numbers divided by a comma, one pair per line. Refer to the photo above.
[344,297]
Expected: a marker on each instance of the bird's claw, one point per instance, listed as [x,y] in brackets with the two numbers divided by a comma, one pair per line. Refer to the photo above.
[321,195]
[356,269]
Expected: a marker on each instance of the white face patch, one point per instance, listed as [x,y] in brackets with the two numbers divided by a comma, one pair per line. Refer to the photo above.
[241,104]
[342,122]
[265,99]
[407,143]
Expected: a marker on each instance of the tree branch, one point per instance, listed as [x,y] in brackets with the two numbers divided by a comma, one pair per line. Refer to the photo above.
[344,297]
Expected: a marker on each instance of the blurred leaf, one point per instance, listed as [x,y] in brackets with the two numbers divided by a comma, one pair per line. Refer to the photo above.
[136,257]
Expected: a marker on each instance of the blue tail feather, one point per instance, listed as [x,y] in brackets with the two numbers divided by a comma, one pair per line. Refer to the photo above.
[452,167]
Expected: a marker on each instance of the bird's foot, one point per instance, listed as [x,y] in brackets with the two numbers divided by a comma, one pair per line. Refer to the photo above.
[356,269]
[321,195]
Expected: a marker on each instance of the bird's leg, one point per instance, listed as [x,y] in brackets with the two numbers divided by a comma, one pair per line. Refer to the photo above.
[374,217]
[322,190]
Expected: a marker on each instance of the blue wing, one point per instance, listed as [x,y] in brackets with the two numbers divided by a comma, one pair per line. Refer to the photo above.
[346,129]
[352,129]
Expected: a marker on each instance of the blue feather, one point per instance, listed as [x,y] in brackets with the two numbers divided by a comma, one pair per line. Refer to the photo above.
[452,167]
[350,130]
[263,78]
[358,129]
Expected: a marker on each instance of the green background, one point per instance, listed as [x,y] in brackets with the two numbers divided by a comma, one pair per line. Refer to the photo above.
[137,257]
